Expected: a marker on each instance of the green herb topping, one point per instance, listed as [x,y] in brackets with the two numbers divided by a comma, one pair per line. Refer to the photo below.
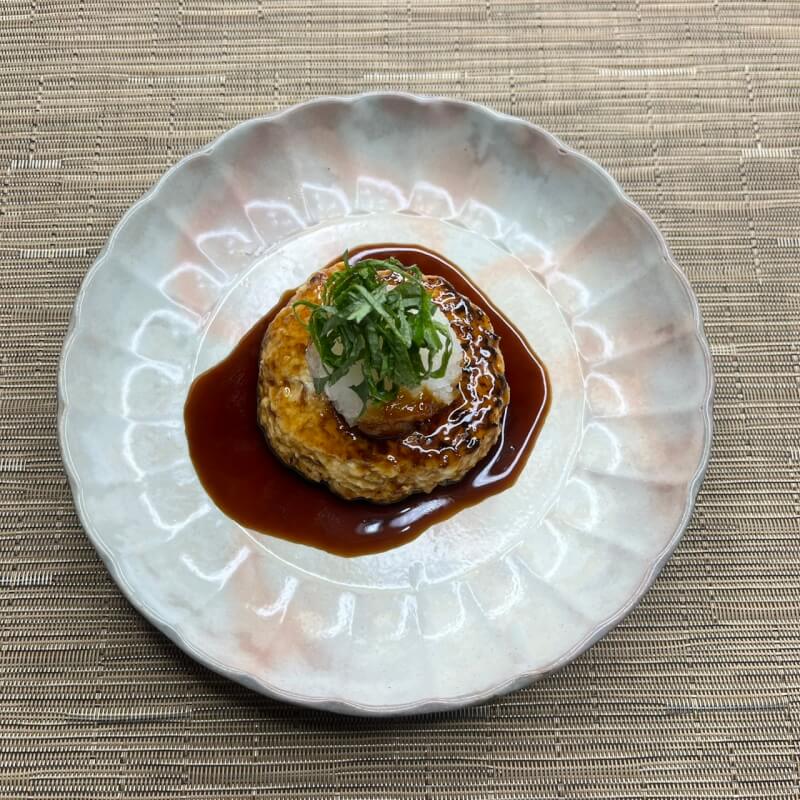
[386,326]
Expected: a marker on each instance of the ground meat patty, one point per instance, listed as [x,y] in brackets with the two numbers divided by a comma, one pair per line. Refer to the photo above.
[308,435]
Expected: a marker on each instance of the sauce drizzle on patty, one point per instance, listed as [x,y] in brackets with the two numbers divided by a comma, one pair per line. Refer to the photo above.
[252,486]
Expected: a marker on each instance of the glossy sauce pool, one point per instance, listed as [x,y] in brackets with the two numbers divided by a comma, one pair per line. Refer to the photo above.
[249,484]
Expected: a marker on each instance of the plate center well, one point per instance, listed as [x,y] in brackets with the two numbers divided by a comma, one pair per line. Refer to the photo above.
[477,534]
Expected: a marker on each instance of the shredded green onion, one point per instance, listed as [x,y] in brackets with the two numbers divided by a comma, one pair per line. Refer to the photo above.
[386,326]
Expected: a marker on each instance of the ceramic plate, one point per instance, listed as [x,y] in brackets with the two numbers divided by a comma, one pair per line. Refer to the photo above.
[498,595]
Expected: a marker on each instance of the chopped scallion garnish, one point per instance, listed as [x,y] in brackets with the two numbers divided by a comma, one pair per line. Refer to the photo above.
[377,313]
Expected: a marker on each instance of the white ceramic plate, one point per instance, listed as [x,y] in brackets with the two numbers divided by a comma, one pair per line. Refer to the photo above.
[500,594]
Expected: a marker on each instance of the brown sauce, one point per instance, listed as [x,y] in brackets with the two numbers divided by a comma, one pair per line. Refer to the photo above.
[252,486]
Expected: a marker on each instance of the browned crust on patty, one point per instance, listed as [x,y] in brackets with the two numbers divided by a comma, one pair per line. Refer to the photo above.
[306,433]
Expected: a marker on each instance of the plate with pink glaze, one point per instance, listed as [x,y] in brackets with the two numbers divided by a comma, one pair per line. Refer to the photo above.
[481,600]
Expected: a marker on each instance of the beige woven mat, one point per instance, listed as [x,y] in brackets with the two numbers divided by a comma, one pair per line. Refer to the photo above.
[695,107]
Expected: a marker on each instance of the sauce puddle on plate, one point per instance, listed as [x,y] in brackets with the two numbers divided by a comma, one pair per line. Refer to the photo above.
[252,486]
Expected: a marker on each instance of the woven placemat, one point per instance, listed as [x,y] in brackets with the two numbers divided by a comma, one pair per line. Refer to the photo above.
[695,108]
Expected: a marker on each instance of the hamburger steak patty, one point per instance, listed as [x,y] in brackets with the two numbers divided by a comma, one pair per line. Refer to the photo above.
[307,434]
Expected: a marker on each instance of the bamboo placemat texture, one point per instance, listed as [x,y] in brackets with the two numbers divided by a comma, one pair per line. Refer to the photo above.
[695,108]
